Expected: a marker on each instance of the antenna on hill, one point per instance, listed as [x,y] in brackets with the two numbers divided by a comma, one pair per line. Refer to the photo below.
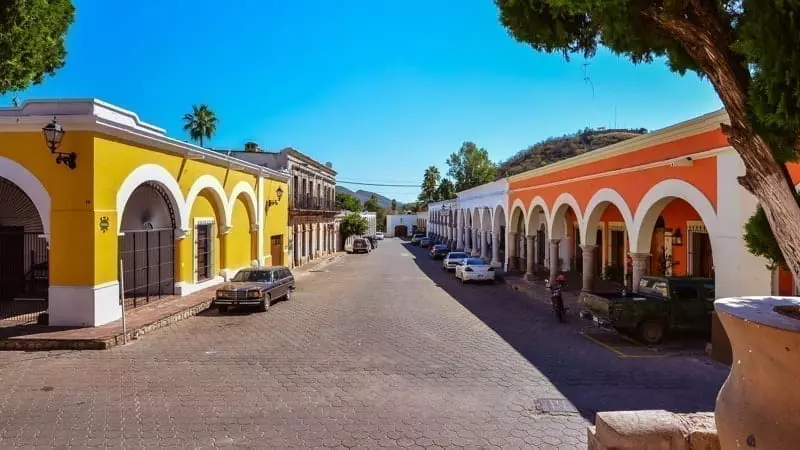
[586,78]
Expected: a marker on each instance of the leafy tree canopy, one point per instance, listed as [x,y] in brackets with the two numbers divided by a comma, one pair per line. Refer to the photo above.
[430,184]
[352,225]
[470,167]
[761,241]
[371,205]
[446,190]
[348,202]
[32,40]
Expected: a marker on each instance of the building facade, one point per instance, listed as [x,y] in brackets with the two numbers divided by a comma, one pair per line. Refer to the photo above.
[312,200]
[402,225]
[116,208]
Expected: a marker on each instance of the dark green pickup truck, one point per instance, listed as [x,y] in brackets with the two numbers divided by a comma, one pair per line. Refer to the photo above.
[662,303]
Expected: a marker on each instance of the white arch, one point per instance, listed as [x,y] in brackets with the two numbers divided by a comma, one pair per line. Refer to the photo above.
[499,218]
[595,208]
[476,219]
[209,182]
[244,187]
[537,202]
[555,223]
[486,219]
[31,186]
[513,219]
[153,173]
[656,199]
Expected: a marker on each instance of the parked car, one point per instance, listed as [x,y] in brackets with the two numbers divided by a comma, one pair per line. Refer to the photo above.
[474,269]
[662,304]
[361,245]
[439,251]
[255,286]
[453,259]
[373,242]
[416,237]
[379,235]
[425,242]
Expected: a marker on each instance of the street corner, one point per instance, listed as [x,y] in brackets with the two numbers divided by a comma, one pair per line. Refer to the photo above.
[627,347]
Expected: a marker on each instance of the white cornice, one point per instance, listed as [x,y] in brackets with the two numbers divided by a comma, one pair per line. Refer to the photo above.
[101,117]
[706,122]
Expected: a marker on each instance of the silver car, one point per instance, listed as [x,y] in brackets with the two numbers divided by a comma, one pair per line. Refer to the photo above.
[453,259]
[255,286]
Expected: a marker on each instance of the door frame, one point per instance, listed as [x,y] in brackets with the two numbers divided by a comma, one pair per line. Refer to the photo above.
[200,221]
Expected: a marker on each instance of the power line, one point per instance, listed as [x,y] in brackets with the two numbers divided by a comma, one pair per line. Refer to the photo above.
[377,184]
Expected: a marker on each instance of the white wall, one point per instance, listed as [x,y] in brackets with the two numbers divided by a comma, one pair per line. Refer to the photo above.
[393,220]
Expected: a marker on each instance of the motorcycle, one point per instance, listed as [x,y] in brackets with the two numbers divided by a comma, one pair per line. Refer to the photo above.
[556,300]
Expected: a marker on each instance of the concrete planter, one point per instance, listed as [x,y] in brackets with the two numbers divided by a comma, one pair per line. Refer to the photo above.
[759,404]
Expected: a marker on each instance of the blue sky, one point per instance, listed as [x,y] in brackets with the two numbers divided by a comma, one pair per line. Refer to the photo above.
[380,89]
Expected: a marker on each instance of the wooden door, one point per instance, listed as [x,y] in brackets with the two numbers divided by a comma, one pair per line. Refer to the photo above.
[203,252]
[12,262]
[276,249]
[701,255]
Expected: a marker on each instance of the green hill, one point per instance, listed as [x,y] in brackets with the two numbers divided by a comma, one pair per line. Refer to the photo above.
[559,148]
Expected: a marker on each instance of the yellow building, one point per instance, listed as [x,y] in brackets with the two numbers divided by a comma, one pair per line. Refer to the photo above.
[160,216]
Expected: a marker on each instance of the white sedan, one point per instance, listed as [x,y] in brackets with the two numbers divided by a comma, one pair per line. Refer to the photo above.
[474,269]
[453,259]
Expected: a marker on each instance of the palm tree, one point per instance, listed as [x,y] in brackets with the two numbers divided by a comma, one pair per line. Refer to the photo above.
[200,123]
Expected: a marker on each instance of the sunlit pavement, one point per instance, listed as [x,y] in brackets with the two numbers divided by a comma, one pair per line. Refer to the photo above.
[382,349]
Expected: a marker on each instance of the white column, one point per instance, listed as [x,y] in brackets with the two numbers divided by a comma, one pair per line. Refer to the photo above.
[496,249]
[459,237]
[529,241]
[639,268]
[467,239]
[588,266]
[554,269]
[483,235]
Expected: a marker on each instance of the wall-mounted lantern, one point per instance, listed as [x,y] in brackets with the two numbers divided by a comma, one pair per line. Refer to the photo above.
[53,134]
[677,239]
[279,193]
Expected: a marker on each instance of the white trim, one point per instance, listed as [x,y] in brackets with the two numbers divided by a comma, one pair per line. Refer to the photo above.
[250,199]
[209,182]
[558,230]
[593,213]
[538,201]
[156,174]
[183,288]
[523,211]
[654,202]
[497,216]
[31,186]
[84,305]
[639,168]
[701,124]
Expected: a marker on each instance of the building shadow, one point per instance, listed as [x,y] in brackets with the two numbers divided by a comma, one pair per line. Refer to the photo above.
[592,377]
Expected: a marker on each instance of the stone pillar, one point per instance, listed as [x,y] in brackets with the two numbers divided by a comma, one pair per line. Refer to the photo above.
[459,237]
[554,259]
[511,250]
[496,250]
[467,239]
[639,268]
[484,236]
[529,242]
[476,242]
[588,266]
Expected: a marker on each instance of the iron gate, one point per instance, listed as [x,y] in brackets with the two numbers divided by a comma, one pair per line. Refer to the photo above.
[24,275]
[148,261]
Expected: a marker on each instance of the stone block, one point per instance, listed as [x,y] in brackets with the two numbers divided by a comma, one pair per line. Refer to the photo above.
[653,430]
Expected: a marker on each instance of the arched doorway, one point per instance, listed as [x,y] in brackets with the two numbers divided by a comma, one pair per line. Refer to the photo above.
[148,245]
[608,221]
[24,270]
[516,238]
[566,220]
[499,235]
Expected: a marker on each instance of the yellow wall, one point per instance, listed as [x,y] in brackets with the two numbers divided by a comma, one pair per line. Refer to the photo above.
[276,218]
[239,243]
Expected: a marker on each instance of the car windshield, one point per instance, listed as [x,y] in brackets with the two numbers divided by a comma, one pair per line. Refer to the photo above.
[456,256]
[475,262]
[440,247]
[259,276]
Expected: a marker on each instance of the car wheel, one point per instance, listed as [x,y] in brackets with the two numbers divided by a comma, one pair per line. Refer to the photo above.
[264,306]
[651,331]
[222,309]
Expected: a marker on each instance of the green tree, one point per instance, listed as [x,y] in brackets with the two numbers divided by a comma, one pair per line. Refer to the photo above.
[761,241]
[348,202]
[446,190]
[394,205]
[371,205]
[32,41]
[471,167]
[352,225]
[430,182]
[380,219]
[201,123]
[747,49]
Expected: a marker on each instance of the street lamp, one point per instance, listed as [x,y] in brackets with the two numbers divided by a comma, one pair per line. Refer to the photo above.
[279,193]
[53,134]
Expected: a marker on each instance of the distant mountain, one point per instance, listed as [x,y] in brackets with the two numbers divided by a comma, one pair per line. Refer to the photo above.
[363,196]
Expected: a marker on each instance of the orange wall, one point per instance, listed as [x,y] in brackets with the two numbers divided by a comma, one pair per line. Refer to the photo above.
[675,215]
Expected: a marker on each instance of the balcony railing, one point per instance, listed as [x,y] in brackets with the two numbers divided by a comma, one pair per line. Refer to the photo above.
[313,203]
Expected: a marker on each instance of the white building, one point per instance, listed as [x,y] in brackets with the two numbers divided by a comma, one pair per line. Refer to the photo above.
[401,225]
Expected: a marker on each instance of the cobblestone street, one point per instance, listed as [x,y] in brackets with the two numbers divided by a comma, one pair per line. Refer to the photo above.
[376,350]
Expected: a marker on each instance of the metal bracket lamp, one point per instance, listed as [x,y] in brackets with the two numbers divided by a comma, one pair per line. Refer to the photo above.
[279,193]
[53,134]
